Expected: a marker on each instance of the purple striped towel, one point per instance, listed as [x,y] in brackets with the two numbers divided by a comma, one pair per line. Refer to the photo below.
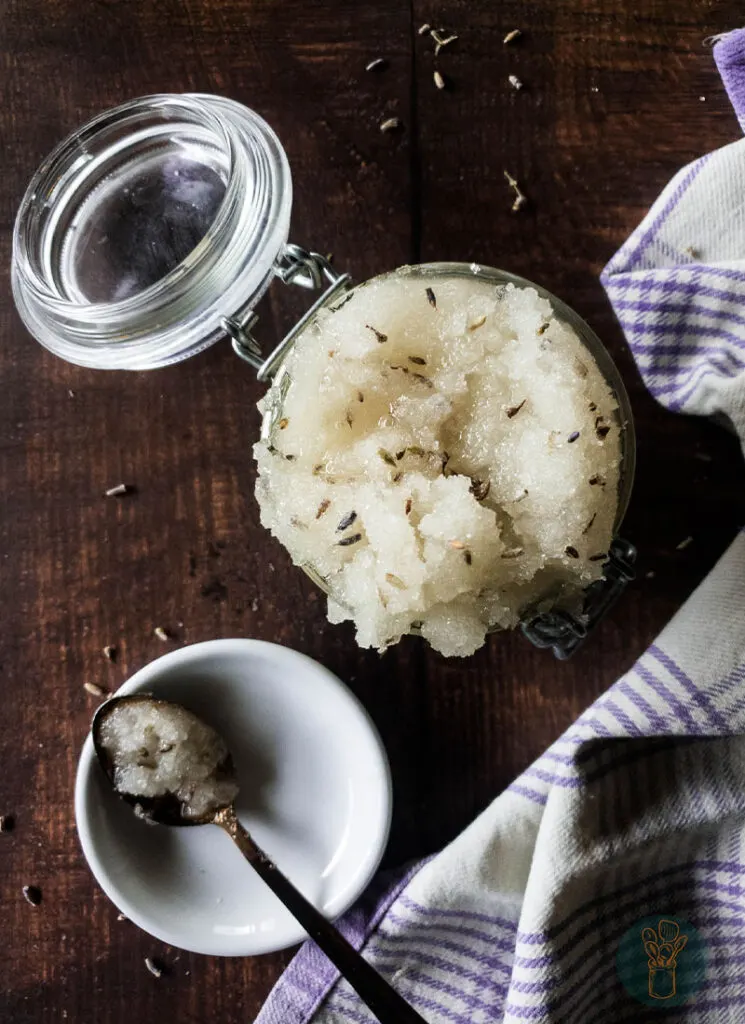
[678,284]
[536,912]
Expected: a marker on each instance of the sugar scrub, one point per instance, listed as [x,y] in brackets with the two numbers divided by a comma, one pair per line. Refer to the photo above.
[157,748]
[444,453]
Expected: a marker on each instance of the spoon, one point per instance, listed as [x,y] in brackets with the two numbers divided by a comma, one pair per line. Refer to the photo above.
[169,809]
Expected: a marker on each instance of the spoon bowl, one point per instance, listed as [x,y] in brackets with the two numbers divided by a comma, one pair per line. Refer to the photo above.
[165,809]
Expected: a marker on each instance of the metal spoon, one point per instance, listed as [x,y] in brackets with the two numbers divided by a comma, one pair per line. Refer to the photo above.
[387,1005]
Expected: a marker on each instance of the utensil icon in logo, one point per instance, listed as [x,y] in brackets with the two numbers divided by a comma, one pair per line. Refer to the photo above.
[662,948]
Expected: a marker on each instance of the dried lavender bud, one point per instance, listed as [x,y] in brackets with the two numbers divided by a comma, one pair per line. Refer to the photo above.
[345,542]
[344,301]
[431,298]
[378,334]
[480,488]
[515,409]
[95,689]
[32,894]
[601,428]
[572,552]
[155,969]
[441,40]
[346,521]
[573,437]
[520,198]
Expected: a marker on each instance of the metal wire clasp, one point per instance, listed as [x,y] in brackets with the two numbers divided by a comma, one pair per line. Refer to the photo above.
[294,265]
[563,632]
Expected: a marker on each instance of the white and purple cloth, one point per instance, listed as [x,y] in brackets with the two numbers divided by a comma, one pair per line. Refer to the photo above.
[678,284]
[638,810]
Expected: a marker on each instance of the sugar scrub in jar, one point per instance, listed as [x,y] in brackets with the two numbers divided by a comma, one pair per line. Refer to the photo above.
[442,451]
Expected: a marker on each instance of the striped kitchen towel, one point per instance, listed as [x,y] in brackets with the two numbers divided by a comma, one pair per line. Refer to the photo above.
[678,284]
[607,883]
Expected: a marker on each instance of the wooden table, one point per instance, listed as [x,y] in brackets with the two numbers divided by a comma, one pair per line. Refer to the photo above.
[617,96]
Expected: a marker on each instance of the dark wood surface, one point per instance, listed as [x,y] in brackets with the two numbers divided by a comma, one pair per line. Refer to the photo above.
[617,97]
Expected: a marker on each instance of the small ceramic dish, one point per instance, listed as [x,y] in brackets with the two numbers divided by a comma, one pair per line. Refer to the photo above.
[315,791]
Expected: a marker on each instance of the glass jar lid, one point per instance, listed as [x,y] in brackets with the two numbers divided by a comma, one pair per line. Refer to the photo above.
[148,228]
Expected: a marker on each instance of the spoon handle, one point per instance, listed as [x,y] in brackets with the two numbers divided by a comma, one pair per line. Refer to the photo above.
[387,1005]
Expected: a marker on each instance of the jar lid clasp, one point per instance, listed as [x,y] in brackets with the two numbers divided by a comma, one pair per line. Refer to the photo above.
[298,266]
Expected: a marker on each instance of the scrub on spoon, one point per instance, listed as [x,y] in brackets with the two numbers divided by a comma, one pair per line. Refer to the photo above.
[174,769]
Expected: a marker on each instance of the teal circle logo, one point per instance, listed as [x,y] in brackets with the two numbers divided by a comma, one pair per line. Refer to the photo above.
[661,961]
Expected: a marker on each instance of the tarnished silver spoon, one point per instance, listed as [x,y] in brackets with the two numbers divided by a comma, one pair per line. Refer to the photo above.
[211,800]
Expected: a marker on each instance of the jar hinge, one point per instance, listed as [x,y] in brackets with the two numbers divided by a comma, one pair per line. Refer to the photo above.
[298,266]
[564,632]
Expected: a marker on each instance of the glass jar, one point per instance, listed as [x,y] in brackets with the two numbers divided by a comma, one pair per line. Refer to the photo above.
[154,230]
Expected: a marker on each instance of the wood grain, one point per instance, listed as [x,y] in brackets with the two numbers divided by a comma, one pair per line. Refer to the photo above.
[617,97]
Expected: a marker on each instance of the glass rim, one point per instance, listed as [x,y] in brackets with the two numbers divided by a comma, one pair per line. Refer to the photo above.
[34,281]
[180,313]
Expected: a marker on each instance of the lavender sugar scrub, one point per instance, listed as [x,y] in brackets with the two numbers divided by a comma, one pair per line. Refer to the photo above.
[157,748]
[444,454]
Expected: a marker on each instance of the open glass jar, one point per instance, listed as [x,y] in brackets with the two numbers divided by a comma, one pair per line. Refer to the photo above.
[153,232]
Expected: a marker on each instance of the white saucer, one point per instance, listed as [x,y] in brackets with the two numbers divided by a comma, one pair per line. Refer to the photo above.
[315,794]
